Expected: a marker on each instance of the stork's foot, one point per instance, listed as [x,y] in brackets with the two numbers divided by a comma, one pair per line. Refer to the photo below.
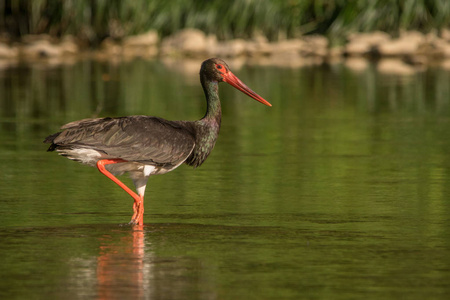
[138,209]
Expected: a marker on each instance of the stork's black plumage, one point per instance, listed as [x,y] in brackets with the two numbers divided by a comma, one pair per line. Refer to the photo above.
[143,145]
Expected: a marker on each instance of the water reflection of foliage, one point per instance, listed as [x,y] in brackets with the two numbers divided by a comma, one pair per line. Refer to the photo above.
[319,113]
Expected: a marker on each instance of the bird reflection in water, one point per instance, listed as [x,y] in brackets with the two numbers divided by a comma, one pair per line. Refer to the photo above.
[138,265]
[120,266]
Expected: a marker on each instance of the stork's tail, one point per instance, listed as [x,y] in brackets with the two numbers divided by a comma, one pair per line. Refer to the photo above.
[50,139]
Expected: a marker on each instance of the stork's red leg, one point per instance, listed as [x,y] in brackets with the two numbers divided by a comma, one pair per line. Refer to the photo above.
[138,206]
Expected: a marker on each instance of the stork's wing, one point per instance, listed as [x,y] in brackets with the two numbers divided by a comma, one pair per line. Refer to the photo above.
[136,138]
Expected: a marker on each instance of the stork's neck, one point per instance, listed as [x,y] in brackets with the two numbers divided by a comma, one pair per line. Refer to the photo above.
[213,109]
[207,128]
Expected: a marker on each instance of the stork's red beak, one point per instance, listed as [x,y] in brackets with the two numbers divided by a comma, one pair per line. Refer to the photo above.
[231,79]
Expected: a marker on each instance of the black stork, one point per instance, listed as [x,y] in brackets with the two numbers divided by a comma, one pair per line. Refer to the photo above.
[144,145]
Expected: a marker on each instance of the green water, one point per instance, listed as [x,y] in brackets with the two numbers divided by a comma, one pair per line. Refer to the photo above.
[339,191]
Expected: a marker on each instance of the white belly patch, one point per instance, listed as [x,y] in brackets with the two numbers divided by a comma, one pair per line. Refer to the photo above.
[83,155]
[148,170]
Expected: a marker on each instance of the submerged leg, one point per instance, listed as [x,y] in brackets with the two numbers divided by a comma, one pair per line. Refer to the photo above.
[138,206]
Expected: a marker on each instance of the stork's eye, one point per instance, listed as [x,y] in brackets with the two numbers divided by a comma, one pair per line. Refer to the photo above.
[219,67]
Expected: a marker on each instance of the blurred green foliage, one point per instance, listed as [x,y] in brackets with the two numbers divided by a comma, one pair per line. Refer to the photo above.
[93,20]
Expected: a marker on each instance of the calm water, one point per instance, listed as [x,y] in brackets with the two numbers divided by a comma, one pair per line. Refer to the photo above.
[339,191]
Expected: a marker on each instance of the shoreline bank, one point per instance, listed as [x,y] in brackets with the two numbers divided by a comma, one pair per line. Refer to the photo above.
[410,51]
